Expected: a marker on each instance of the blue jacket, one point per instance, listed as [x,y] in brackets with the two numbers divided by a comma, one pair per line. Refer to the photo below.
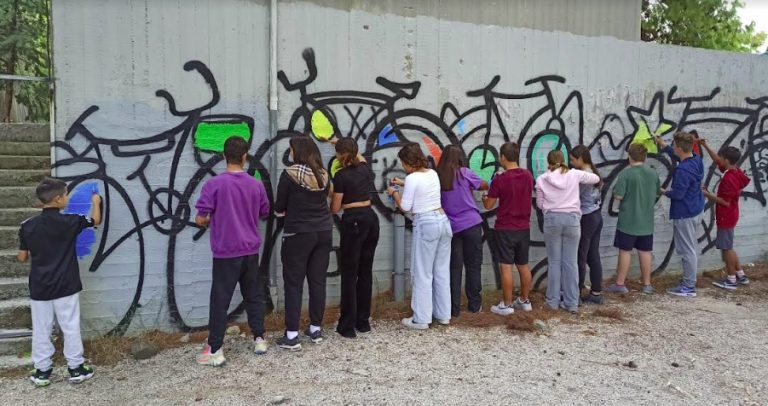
[685,192]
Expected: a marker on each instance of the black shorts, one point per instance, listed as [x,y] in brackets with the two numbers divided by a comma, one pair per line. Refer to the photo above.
[511,246]
[628,242]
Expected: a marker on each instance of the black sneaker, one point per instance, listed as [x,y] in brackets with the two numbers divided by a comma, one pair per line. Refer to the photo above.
[592,299]
[347,334]
[41,378]
[288,344]
[315,337]
[364,328]
[81,373]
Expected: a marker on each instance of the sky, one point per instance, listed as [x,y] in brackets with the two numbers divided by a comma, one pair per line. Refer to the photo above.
[757,11]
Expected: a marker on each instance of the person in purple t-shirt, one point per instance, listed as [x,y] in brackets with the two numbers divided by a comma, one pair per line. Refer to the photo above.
[513,189]
[456,185]
[232,204]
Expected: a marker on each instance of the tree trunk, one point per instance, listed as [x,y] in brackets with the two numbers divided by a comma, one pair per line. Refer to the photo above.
[10,68]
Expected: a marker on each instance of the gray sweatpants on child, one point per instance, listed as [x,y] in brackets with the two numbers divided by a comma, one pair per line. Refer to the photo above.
[562,232]
[66,311]
[687,247]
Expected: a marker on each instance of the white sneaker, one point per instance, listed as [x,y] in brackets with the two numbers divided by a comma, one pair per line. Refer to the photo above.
[206,357]
[502,309]
[443,322]
[524,306]
[408,322]
[260,346]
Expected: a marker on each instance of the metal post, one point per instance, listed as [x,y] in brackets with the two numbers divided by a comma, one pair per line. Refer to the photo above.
[399,247]
[273,101]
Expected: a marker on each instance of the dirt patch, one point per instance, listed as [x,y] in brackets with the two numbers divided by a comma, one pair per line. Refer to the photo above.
[614,313]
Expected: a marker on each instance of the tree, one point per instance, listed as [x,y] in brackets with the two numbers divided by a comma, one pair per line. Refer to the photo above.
[712,24]
[25,51]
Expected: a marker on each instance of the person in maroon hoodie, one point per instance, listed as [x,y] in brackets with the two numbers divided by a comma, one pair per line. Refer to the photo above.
[726,203]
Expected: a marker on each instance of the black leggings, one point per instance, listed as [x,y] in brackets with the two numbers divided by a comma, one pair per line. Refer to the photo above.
[589,250]
[466,254]
[305,255]
[359,236]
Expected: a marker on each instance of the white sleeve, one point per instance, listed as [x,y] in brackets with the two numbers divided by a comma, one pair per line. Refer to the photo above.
[409,191]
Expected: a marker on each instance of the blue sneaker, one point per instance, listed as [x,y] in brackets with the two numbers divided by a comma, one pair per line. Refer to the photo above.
[726,284]
[682,291]
[743,280]
[617,289]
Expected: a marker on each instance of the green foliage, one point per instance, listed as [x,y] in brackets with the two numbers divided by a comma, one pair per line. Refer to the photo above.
[712,24]
[25,51]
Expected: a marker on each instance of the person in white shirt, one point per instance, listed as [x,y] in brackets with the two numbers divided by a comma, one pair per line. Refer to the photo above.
[431,245]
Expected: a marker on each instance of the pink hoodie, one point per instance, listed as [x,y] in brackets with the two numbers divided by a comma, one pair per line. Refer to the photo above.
[559,192]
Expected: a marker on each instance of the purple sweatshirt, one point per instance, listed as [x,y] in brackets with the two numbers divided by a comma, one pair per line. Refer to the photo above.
[235,201]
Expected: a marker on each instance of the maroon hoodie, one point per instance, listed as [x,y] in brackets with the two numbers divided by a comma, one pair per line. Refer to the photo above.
[733,181]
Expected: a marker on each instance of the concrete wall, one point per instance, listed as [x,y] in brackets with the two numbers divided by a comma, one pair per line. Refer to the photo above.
[148,267]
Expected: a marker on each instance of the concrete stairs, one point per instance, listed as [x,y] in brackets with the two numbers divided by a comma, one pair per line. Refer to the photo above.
[24,160]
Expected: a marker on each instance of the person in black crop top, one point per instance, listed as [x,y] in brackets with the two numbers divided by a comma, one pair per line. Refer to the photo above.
[302,197]
[352,188]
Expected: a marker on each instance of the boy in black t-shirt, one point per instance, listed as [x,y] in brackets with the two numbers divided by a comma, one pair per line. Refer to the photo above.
[54,279]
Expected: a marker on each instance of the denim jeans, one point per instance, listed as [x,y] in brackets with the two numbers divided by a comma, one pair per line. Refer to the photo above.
[467,254]
[430,267]
[687,247]
[562,232]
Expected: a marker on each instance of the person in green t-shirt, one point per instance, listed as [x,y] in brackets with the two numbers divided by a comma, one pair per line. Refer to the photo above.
[637,188]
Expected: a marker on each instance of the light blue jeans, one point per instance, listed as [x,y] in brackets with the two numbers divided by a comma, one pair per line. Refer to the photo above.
[562,232]
[431,267]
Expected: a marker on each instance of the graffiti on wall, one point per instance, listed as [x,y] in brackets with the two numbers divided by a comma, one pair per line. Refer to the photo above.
[381,125]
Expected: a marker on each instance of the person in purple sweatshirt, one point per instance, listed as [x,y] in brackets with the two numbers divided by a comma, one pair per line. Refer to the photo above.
[456,184]
[231,204]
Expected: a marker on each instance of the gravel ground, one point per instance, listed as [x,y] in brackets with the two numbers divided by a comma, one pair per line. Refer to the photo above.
[708,350]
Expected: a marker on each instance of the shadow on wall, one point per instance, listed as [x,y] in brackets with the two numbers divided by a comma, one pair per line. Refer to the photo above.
[381,127]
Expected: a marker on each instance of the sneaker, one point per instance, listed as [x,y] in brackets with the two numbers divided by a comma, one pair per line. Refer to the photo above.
[682,291]
[592,299]
[479,310]
[522,305]
[502,309]
[315,337]
[84,373]
[364,328]
[571,311]
[726,284]
[443,322]
[743,280]
[286,343]
[408,322]
[648,290]
[206,357]
[617,289]
[41,378]
[260,346]
[347,334]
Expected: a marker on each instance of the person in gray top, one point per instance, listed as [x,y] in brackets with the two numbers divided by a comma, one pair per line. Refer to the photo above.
[591,227]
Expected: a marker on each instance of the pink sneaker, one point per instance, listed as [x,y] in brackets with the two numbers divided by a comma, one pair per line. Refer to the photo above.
[206,357]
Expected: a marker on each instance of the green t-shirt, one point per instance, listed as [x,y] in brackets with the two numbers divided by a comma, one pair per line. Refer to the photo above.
[639,186]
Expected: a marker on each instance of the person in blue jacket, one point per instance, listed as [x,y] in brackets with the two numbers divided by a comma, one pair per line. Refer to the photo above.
[687,204]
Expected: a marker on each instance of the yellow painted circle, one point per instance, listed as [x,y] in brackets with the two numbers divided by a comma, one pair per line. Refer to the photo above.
[321,126]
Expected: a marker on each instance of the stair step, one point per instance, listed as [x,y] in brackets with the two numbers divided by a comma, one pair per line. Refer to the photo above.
[10,267]
[18,196]
[13,362]
[14,217]
[25,162]
[9,237]
[25,148]
[25,132]
[14,288]
[22,177]
[16,345]
[14,313]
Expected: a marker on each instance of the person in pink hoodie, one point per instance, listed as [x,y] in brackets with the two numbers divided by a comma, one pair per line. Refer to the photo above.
[557,195]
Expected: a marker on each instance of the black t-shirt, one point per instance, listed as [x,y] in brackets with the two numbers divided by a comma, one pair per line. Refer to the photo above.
[306,210]
[355,182]
[50,239]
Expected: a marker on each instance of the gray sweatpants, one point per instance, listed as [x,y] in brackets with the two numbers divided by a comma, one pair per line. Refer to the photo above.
[66,311]
[431,267]
[562,232]
[687,247]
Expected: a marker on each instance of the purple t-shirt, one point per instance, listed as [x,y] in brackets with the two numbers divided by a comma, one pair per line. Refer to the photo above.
[235,201]
[459,203]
